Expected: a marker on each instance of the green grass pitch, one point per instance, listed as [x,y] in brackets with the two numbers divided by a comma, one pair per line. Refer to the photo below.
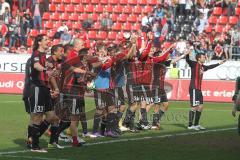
[173,142]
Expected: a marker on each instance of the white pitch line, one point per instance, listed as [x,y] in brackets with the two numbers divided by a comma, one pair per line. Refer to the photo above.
[32,157]
[134,139]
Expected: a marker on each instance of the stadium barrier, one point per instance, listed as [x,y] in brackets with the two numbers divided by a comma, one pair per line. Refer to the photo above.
[177,89]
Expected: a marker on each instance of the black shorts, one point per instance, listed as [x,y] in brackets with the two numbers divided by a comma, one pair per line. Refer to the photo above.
[159,95]
[196,97]
[104,98]
[40,100]
[27,104]
[75,104]
[119,96]
[138,93]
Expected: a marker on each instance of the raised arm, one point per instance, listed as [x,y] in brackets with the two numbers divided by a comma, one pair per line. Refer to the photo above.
[213,65]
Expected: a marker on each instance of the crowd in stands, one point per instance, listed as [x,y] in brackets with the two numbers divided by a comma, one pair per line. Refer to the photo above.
[180,21]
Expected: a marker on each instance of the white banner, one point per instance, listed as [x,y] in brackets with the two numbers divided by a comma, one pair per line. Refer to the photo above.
[10,62]
[230,70]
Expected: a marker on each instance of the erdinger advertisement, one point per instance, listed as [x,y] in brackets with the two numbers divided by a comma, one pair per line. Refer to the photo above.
[176,89]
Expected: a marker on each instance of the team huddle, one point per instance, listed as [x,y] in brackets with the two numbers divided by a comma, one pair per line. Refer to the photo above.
[56,86]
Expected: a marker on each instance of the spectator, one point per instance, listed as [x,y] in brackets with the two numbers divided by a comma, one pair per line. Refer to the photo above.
[235,40]
[205,11]
[46,5]
[18,17]
[37,12]
[226,45]
[24,30]
[21,50]
[13,33]
[60,30]
[181,46]
[87,23]
[4,5]
[106,22]
[218,52]
[28,16]
[188,7]
[22,4]
[157,33]
[7,16]
[200,23]
[209,52]
[65,37]
[182,6]
[146,25]
[159,12]
[3,33]
[231,7]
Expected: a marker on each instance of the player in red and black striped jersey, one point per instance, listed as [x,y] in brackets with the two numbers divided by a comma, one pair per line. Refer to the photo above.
[158,91]
[40,99]
[75,69]
[196,97]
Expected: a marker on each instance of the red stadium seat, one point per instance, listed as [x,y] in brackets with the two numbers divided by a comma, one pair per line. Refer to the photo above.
[76,1]
[52,7]
[208,29]
[127,9]
[49,25]
[223,20]
[51,33]
[212,20]
[56,1]
[118,9]
[77,26]
[143,2]
[108,9]
[137,10]
[233,20]
[237,11]
[64,17]
[132,18]
[79,8]
[46,16]
[83,16]
[57,25]
[86,1]
[29,42]
[94,1]
[95,17]
[43,32]
[238,3]
[217,11]
[70,8]
[122,18]
[123,2]
[97,25]
[33,32]
[55,17]
[92,35]
[104,2]
[113,2]
[56,42]
[117,26]
[69,24]
[61,8]
[136,27]
[89,8]
[102,35]
[99,9]
[114,17]
[133,2]
[218,29]
[127,26]
[152,2]
[147,9]
[66,1]
[112,35]
[73,17]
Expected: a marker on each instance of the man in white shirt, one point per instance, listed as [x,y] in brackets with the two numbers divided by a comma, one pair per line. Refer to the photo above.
[4,5]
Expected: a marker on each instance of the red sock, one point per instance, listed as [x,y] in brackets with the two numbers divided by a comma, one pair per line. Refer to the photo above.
[75,140]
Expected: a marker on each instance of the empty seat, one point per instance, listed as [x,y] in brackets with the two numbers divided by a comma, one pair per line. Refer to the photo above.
[233,20]
[118,9]
[46,16]
[79,8]
[127,9]
[112,35]
[89,8]
[73,17]
[223,20]
[208,29]
[99,9]
[64,17]
[218,29]
[217,11]
[61,8]
[70,8]
[52,7]
[212,20]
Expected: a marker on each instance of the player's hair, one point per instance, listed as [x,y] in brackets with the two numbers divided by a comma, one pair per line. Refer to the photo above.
[67,47]
[38,39]
[55,48]
[198,56]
